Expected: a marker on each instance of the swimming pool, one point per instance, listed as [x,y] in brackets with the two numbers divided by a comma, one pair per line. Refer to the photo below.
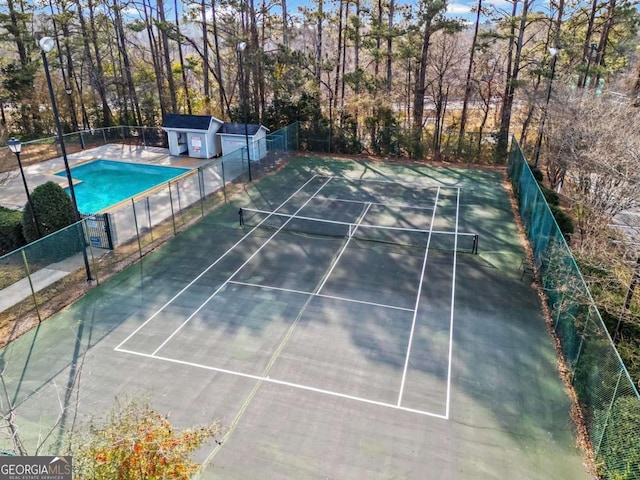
[106,182]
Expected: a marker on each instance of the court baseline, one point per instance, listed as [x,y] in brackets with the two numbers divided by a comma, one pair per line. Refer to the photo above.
[266,378]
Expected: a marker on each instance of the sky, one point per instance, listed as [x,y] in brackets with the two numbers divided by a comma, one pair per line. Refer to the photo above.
[456,8]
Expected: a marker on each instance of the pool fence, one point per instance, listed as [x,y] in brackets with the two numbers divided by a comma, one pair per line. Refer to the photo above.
[37,274]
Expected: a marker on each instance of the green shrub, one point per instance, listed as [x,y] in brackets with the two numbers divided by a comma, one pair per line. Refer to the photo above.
[619,452]
[564,222]
[11,237]
[551,196]
[54,213]
[53,209]
[537,173]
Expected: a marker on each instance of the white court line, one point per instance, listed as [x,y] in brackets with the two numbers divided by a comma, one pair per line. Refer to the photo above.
[333,297]
[394,205]
[236,272]
[393,182]
[344,247]
[157,312]
[453,291]
[287,384]
[415,311]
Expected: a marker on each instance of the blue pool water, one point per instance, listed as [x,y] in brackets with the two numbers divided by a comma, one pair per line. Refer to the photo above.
[105,182]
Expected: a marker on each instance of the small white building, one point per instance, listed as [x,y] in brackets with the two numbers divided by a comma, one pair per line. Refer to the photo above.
[233,137]
[195,134]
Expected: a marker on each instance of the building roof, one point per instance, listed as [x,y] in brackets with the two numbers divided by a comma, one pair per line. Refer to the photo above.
[188,122]
[238,128]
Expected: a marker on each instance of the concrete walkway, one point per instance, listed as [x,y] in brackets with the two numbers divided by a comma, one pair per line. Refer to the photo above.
[20,290]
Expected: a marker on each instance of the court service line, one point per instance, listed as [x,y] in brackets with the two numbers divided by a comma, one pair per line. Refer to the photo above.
[157,312]
[412,185]
[344,247]
[453,291]
[236,272]
[332,297]
[415,311]
[393,205]
[287,384]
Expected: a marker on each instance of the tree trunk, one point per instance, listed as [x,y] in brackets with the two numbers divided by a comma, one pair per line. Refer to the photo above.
[390,45]
[164,37]
[96,75]
[604,40]
[185,86]
[205,51]
[107,119]
[586,47]
[319,43]
[153,47]
[378,34]
[121,36]
[339,52]
[513,69]
[420,87]
[224,101]
[65,76]
[258,76]
[467,88]
[285,24]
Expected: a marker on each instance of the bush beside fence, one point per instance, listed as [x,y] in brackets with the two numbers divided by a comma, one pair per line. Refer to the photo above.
[608,398]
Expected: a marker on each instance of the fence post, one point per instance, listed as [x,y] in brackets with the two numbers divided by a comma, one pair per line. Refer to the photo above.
[33,292]
[224,183]
[149,218]
[104,136]
[596,450]
[173,217]
[201,188]
[135,221]
[144,141]
[286,140]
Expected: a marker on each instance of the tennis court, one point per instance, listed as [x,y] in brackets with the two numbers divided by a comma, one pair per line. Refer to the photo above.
[365,321]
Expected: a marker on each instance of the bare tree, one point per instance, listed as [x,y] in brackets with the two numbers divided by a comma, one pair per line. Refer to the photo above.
[599,172]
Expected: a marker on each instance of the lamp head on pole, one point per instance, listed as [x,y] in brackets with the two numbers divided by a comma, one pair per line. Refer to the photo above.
[15,145]
[594,45]
[242,46]
[68,90]
[554,51]
[47,44]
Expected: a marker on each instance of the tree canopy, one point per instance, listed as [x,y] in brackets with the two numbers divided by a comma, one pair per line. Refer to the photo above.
[431,71]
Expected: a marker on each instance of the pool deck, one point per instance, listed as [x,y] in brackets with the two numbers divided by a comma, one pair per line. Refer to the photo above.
[12,193]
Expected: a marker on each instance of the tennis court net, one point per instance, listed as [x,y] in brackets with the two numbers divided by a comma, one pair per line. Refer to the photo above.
[433,239]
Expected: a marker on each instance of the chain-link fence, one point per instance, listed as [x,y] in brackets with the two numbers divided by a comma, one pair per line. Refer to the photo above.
[40,277]
[35,151]
[608,398]
[399,142]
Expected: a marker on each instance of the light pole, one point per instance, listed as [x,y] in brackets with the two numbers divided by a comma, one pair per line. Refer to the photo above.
[46,45]
[554,58]
[15,146]
[243,96]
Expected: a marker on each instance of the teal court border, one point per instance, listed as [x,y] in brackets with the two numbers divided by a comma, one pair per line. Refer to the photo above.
[509,414]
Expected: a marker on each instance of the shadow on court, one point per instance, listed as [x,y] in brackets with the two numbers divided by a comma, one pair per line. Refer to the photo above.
[327,356]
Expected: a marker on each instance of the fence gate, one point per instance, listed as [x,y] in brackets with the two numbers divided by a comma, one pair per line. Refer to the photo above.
[99,231]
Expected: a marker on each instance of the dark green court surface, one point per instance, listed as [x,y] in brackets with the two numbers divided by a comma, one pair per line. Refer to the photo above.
[373,344]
